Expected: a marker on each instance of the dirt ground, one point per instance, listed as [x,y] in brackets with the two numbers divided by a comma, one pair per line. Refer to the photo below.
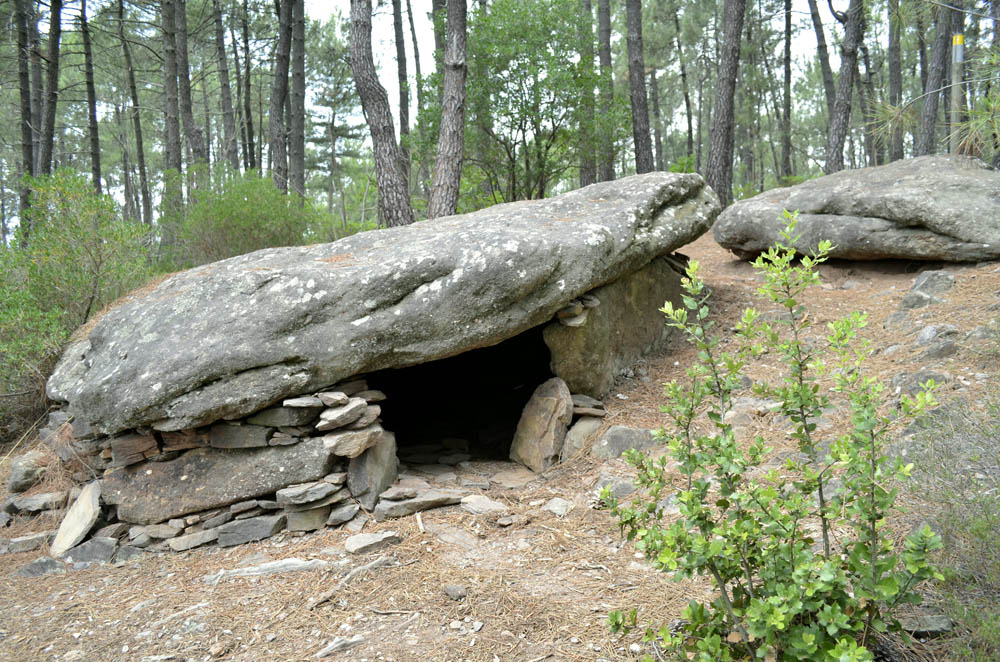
[537,589]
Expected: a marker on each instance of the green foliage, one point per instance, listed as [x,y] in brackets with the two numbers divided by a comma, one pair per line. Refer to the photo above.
[78,256]
[242,214]
[769,540]
[683,164]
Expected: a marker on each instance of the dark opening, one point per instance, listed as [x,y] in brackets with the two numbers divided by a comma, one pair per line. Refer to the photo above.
[468,403]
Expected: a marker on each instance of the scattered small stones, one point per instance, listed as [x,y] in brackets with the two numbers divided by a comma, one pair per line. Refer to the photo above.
[558,506]
[455,592]
[45,565]
[478,504]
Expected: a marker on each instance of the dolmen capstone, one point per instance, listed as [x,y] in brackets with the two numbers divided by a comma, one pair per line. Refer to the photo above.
[229,401]
[943,207]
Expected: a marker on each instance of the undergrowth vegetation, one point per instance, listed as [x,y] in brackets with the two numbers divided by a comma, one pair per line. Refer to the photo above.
[801,561]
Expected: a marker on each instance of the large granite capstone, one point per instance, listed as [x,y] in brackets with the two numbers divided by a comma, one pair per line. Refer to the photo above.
[229,338]
[926,208]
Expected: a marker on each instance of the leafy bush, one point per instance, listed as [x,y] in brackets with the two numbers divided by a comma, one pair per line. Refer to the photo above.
[79,256]
[768,540]
[244,213]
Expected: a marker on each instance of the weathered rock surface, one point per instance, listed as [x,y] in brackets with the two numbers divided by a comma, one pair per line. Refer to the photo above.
[542,429]
[249,530]
[366,542]
[224,340]
[372,472]
[79,520]
[25,471]
[579,435]
[423,501]
[626,325]
[619,439]
[206,478]
[928,208]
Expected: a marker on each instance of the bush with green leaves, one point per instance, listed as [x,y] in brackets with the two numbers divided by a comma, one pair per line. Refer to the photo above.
[78,256]
[242,213]
[802,564]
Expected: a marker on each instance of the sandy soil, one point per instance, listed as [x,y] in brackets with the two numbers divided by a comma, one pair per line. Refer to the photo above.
[539,589]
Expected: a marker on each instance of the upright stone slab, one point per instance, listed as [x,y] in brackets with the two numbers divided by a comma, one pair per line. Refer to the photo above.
[372,472]
[543,425]
[79,520]
[227,339]
[206,478]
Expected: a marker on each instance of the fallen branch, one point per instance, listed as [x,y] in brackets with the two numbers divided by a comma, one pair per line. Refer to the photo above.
[380,562]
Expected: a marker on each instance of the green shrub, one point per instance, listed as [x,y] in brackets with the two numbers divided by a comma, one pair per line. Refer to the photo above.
[768,540]
[78,256]
[244,213]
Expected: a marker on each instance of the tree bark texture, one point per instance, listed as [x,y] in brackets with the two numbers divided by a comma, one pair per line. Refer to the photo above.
[192,132]
[786,109]
[88,67]
[719,169]
[254,162]
[654,93]
[140,150]
[451,140]
[637,87]
[684,83]
[390,172]
[279,92]
[840,120]
[51,88]
[588,155]
[606,143]
[241,124]
[173,196]
[297,121]
[22,13]
[404,86]
[37,85]
[416,59]
[230,147]
[895,80]
[823,54]
[926,142]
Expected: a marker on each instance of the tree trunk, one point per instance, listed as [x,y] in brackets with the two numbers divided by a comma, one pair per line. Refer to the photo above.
[254,162]
[404,86]
[51,88]
[684,83]
[451,139]
[895,80]
[22,12]
[192,132]
[230,148]
[719,169]
[279,92]
[88,67]
[840,120]
[131,211]
[140,152]
[297,120]
[588,160]
[37,87]
[606,145]
[241,124]
[824,58]
[438,13]
[208,127]
[786,111]
[637,88]
[390,172]
[654,92]
[173,197]
[416,59]
[925,142]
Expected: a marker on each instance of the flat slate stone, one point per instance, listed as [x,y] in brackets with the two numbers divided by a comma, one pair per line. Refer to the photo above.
[45,565]
[29,542]
[307,520]
[95,550]
[366,542]
[619,439]
[352,443]
[305,493]
[342,514]
[79,519]
[192,540]
[423,501]
[224,340]
[157,492]
[243,531]
[25,471]
[284,416]
[228,435]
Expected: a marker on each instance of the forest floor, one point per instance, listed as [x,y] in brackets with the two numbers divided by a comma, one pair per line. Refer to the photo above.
[538,589]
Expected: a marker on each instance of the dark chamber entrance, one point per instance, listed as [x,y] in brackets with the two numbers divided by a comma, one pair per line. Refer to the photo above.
[469,403]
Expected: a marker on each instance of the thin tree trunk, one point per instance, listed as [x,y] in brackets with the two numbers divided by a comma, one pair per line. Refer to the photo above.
[390,171]
[241,124]
[331,136]
[925,142]
[955,96]
[438,13]
[895,80]
[230,148]
[637,88]
[684,83]
[192,132]
[51,87]
[451,139]
[824,59]
[173,197]
[654,92]
[37,87]
[140,152]
[786,112]
[922,53]
[279,92]
[88,67]
[719,170]
[297,119]
[606,146]
[588,159]
[840,120]
[404,86]
[208,127]
[254,161]
[416,59]
[131,210]
[21,15]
